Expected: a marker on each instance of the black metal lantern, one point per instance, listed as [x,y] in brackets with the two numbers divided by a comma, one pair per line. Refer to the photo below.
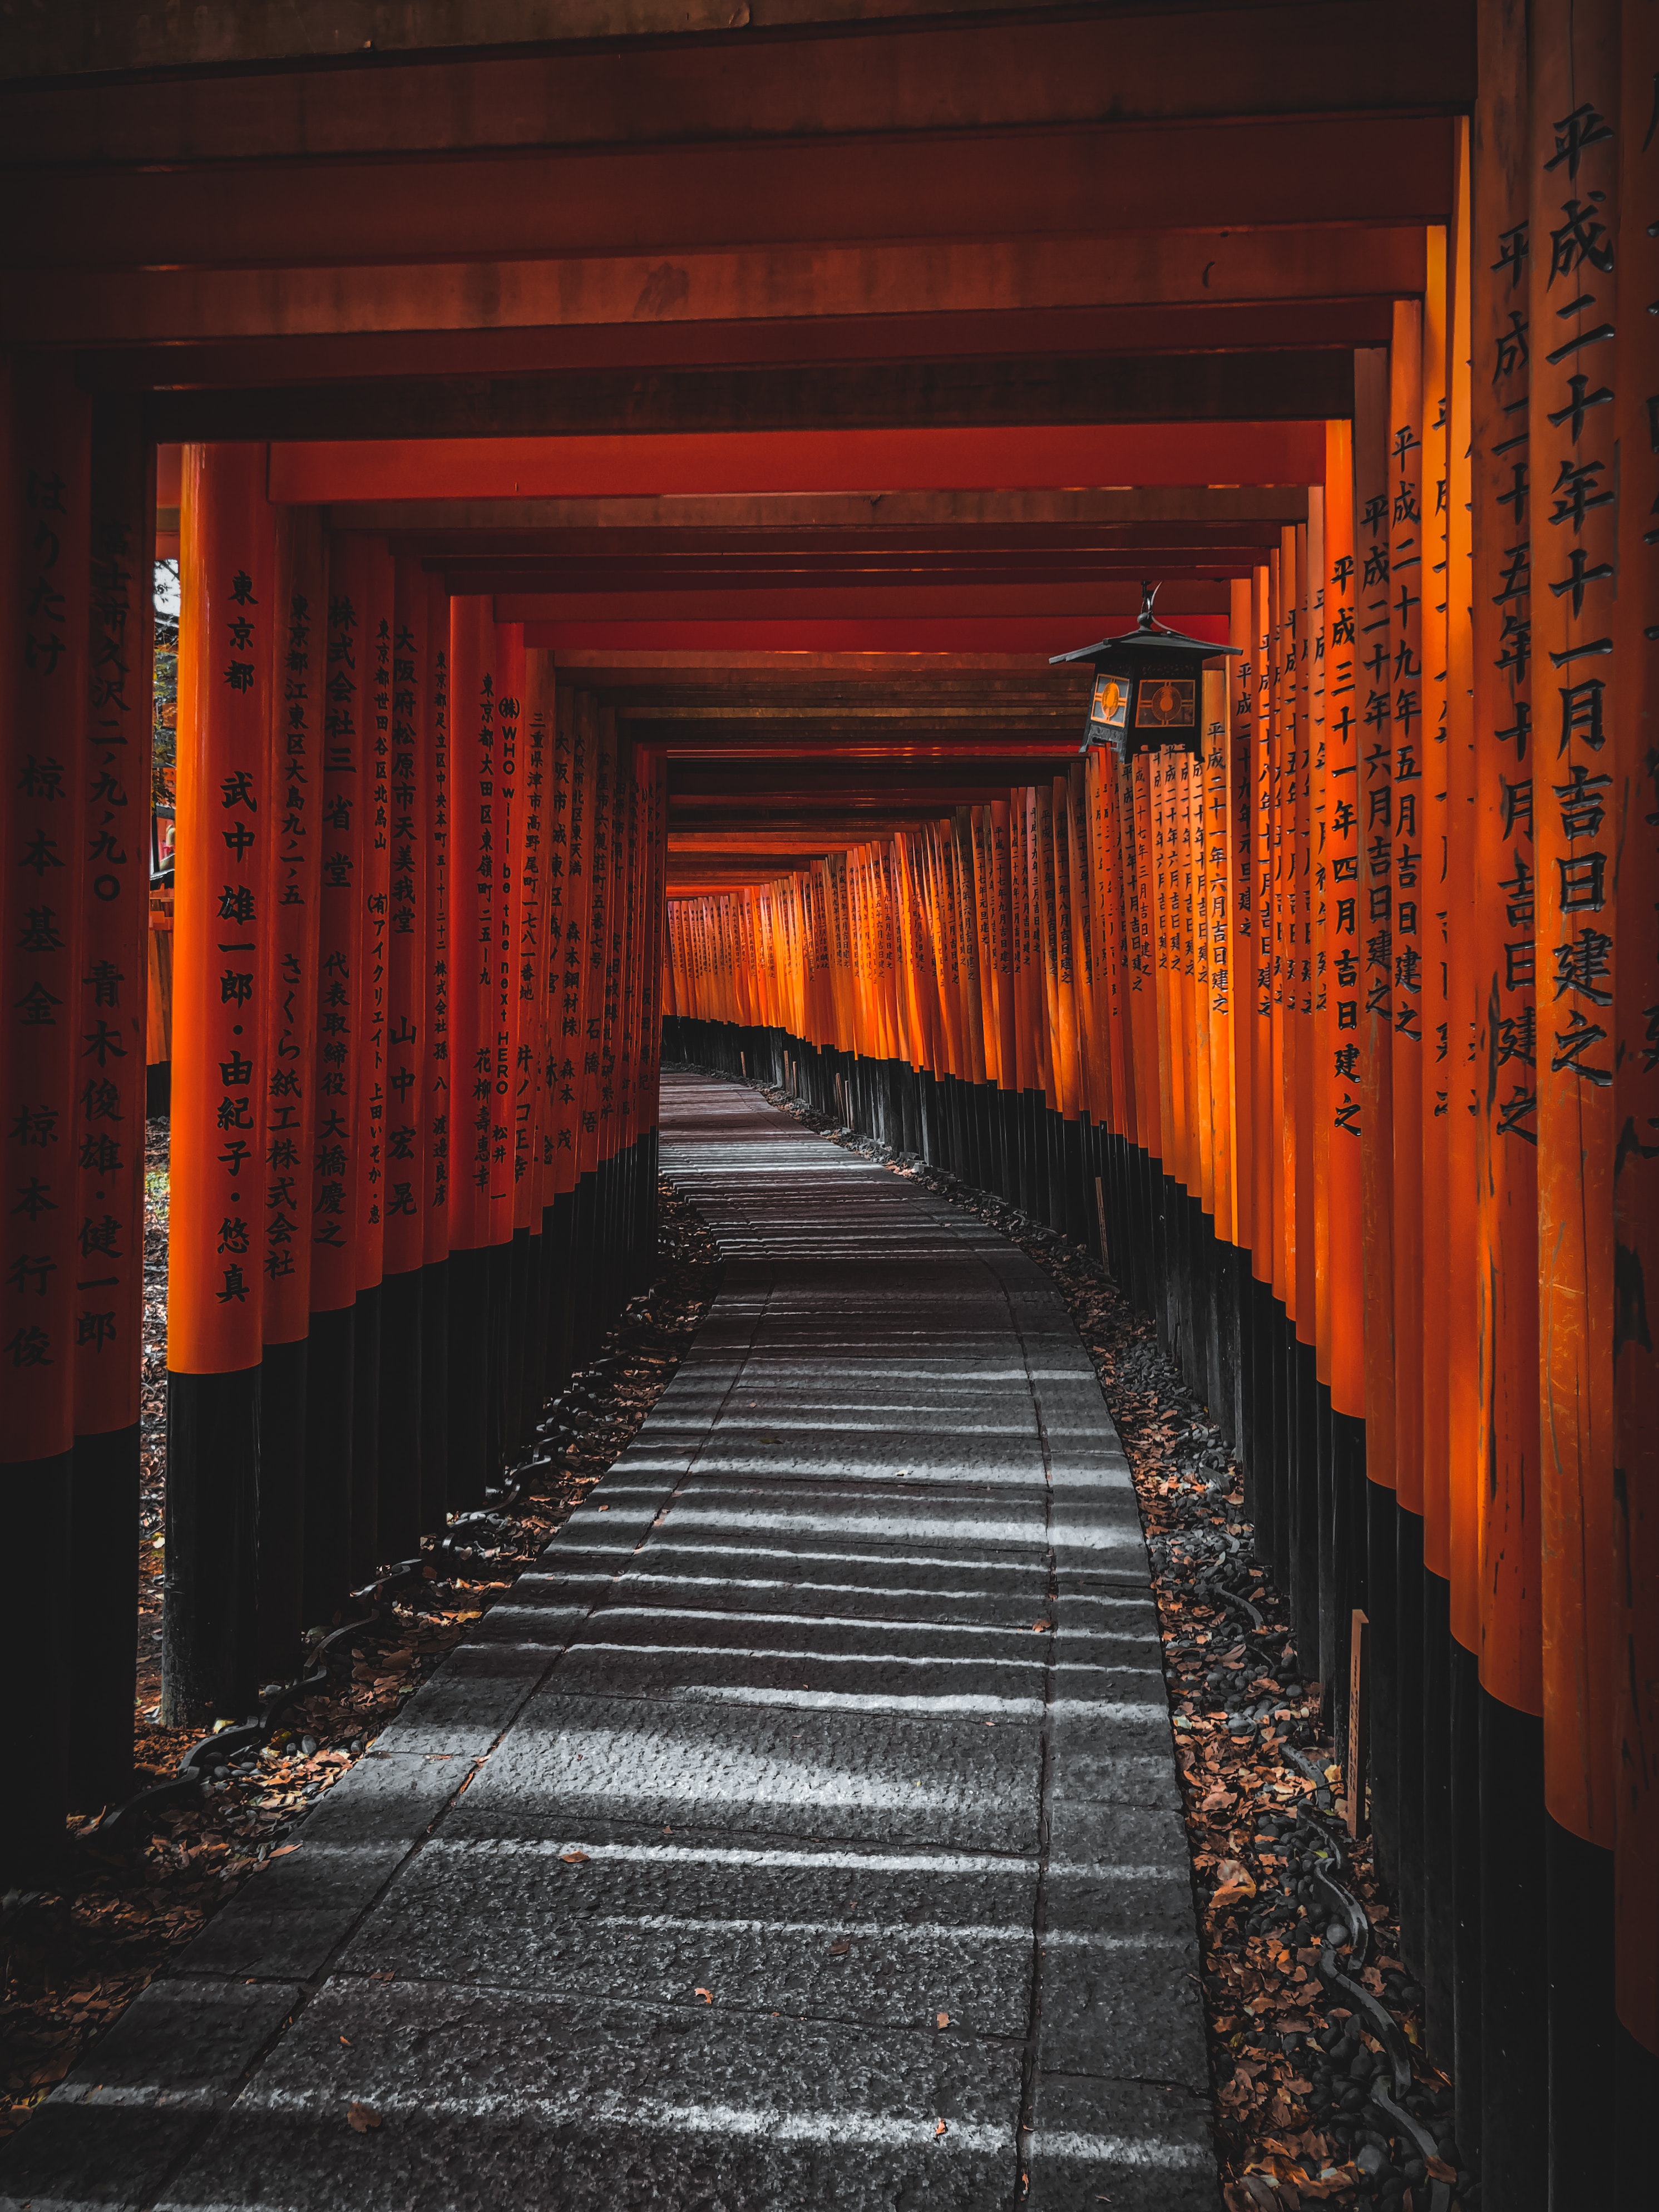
[1149,690]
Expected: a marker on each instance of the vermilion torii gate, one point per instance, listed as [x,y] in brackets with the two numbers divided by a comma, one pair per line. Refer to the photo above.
[663,454]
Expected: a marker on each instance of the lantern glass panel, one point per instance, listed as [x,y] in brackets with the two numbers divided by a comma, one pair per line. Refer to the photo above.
[1109,707]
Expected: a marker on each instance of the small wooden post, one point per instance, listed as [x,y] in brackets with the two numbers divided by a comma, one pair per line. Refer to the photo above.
[1100,1216]
[1359,1687]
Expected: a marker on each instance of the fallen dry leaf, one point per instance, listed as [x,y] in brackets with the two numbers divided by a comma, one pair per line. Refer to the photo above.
[1218,1800]
[708,1996]
[1440,2170]
[1235,1882]
[1039,1627]
[938,2131]
[574,1858]
[363,2118]
[943,2018]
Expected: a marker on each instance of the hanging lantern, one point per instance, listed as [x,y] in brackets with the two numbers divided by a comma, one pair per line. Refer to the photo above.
[1148,692]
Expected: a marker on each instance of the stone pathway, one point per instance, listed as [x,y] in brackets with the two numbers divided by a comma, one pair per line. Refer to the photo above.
[803,1833]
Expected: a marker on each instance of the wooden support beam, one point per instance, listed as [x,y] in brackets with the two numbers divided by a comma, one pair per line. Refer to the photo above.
[772,76]
[796,837]
[1000,259]
[723,869]
[957,638]
[874,464]
[699,790]
[685,197]
[981,675]
[938,749]
[572,582]
[1069,604]
[432,524]
[1261,387]
[600,561]
[809,323]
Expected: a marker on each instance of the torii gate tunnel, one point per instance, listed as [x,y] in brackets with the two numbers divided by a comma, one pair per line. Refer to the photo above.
[630,471]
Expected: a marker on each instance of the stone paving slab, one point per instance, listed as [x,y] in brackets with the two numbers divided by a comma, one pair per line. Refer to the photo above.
[785,1768]
[887,1938]
[489,2098]
[802,1830]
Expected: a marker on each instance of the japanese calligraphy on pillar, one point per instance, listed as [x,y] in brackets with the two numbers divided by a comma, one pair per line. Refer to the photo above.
[529,1059]
[504,960]
[113,981]
[341,841]
[437,1104]
[1340,891]
[223,939]
[1402,935]
[1364,920]
[571,967]
[602,760]
[1574,314]
[1505,1629]
[376,599]
[300,642]
[1634,766]
[48,1088]
[408,981]
[1240,748]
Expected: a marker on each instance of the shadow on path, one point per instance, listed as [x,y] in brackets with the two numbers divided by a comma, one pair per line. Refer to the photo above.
[803,1831]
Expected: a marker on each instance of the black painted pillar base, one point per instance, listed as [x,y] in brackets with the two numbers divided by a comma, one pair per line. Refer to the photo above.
[1283,1460]
[514,1352]
[329,1384]
[1035,1201]
[558,1222]
[1076,1210]
[1636,2079]
[281,1537]
[434,1395]
[1582,2041]
[1333,1637]
[209,1622]
[1348,1487]
[1408,1737]
[1008,1112]
[399,1519]
[1265,1442]
[1304,1412]
[1233,1275]
[532,1387]
[581,1288]
[469,1378]
[1382,1551]
[1244,1437]
[365,1555]
[35,1501]
[500,1280]
[1513,1978]
[1464,1708]
[1437,1964]
[102,1556]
